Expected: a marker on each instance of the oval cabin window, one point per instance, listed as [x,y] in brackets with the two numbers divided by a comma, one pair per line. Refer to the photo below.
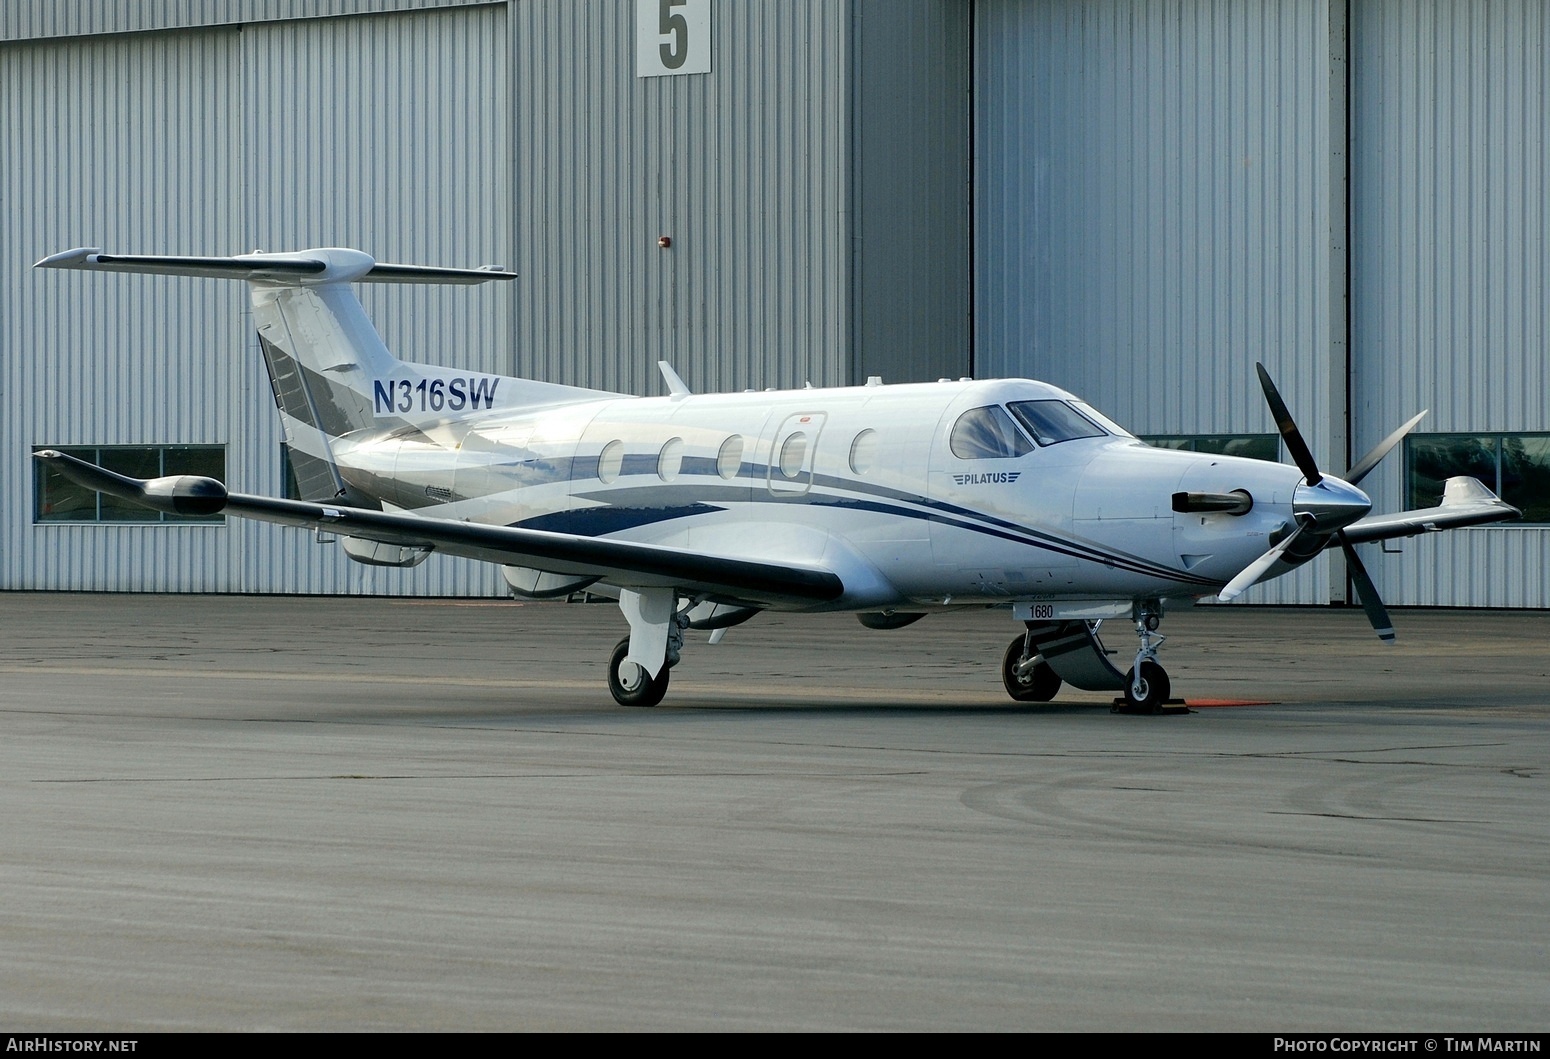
[730,459]
[863,452]
[671,461]
[792,454]
[610,461]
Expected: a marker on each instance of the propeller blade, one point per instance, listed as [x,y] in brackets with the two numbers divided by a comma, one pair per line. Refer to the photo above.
[1377,613]
[1251,573]
[1362,467]
[1295,445]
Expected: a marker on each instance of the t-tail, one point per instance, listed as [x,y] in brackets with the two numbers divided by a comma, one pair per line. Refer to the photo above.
[331,374]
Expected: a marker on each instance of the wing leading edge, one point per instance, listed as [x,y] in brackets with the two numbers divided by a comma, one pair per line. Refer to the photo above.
[625,563]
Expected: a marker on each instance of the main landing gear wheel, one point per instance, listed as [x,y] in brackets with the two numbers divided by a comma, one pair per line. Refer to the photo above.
[1154,689]
[1038,684]
[631,685]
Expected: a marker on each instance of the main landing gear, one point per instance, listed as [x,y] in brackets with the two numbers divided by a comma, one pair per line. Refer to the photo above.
[1024,672]
[639,666]
[630,682]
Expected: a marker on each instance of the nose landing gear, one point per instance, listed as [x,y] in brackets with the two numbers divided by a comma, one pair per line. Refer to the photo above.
[1146,685]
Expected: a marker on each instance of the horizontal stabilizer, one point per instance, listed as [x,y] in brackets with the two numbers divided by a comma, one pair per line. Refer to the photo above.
[303,268]
[1465,502]
[628,563]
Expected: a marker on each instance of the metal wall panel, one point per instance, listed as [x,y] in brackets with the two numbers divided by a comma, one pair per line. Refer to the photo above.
[744,168]
[1450,180]
[910,174]
[41,19]
[1153,213]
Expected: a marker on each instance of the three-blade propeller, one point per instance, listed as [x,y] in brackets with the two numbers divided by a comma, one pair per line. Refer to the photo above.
[1323,508]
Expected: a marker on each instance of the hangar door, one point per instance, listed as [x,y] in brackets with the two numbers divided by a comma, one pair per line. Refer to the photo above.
[1153,189]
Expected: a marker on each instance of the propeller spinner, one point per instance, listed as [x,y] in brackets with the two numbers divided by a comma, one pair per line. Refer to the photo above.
[1323,507]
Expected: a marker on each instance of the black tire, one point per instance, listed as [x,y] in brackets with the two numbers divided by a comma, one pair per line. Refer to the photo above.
[1039,684]
[630,684]
[1154,689]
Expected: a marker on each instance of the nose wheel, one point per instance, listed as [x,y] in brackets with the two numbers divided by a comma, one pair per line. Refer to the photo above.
[1147,688]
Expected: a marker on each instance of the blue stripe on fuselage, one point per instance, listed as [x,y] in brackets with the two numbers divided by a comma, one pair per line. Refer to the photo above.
[628,507]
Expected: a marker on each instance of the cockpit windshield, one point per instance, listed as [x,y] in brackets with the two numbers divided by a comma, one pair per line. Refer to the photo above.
[1102,420]
[1051,422]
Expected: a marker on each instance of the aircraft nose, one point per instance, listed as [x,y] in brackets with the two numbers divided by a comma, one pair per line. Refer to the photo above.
[1332,504]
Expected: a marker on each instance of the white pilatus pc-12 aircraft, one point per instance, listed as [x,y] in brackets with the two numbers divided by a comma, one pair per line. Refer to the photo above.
[698,511]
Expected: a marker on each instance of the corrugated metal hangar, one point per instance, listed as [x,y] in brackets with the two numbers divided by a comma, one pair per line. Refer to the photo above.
[1132,199]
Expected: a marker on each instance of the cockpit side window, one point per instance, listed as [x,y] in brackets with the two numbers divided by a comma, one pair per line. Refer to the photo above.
[987,434]
[1051,422]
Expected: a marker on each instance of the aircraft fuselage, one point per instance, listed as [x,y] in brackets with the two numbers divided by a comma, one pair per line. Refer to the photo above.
[867,479]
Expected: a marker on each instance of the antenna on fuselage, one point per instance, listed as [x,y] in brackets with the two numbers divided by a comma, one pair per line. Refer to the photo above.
[676,387]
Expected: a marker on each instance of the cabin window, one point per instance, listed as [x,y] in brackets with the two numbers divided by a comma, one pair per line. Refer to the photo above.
[671,460]
[730,459]
[987,434]
[863,452]
[1051,422]
[792,454]
[610,461]
[57,499]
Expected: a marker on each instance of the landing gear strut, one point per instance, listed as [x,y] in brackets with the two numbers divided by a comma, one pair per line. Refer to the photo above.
[1146,685]
[656,620]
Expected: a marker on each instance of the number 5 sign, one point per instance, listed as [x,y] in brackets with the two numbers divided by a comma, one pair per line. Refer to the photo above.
[672,37]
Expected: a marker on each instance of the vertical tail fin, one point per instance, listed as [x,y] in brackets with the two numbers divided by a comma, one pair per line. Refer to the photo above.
[322,355]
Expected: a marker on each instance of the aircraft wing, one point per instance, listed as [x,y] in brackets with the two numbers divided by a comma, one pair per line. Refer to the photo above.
[624,563]
[1465,502]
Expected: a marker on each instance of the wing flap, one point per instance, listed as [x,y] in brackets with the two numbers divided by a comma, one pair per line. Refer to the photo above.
[625,563]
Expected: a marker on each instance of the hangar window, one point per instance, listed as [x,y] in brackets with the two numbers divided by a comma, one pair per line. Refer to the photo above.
[987,434]
[1051,422]
[1516,467]
[1252,446]
[57,499]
